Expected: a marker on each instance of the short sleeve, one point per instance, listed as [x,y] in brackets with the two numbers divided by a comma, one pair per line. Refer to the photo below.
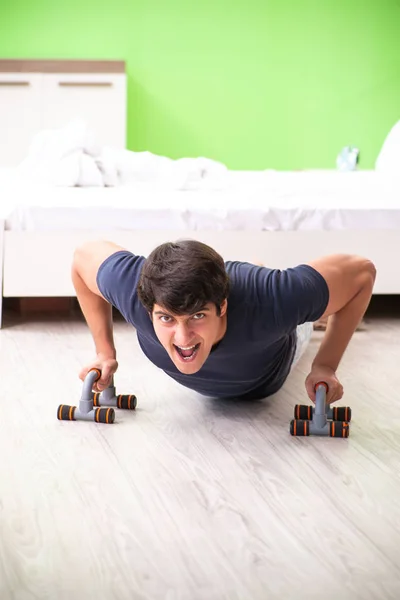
[117,279]
[300,294]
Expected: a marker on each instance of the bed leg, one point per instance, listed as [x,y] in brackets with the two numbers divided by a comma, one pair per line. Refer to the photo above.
[1,270]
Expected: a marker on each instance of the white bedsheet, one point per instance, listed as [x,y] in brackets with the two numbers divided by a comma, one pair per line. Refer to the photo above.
[263,200]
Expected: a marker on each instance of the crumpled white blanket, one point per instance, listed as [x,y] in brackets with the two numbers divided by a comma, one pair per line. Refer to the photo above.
[70,157]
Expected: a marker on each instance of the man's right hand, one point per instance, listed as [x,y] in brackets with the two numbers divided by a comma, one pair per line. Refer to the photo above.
[107,365]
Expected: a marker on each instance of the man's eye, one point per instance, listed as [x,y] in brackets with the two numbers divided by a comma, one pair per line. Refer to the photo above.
[165,319]
[199,316]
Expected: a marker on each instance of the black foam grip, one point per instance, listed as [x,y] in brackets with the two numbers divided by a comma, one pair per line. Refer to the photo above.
[339,429]
[303,411]
[341,413]
[66,413]
[96,398]
[104,415]
[299,427]
[127,401]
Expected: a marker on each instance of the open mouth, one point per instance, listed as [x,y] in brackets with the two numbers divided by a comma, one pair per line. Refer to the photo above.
[187,353]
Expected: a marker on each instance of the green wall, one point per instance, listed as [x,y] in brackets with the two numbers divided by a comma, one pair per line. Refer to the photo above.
[256,84]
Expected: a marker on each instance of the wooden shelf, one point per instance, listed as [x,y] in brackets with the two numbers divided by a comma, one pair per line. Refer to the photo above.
[61,66]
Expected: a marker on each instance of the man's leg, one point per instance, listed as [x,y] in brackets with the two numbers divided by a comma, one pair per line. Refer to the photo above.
[304,333]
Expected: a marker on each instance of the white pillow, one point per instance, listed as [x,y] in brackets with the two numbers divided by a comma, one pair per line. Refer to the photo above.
[389,157]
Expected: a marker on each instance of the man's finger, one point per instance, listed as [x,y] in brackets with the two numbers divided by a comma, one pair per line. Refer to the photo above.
[103,383]
[310,391]
[83,374]
[105,379]
[338,394]
[334,397]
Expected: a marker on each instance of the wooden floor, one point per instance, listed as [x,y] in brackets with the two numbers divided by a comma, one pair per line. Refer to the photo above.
[189,498]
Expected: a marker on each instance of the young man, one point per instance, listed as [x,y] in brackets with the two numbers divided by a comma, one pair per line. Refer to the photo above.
[224,329]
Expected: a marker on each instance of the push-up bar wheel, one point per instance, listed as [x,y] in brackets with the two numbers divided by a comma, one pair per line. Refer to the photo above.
[124,401]
[299,427]
[333,413]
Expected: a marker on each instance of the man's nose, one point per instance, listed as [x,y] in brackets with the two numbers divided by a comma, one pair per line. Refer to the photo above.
[183,335]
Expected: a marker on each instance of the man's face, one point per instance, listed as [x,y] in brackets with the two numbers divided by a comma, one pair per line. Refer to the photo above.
[188,339]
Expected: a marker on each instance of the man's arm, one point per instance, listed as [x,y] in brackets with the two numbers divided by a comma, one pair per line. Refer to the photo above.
[96,310]
[350,281]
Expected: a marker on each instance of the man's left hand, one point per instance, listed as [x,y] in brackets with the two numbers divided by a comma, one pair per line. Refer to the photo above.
[322,373]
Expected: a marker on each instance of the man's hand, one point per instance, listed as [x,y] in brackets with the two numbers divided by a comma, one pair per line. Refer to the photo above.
[107,365]
[323,373]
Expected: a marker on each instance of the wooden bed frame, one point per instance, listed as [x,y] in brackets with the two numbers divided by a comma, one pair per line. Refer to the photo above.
[38,264]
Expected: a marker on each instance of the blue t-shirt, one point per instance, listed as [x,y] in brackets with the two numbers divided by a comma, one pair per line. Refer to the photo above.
[264,308]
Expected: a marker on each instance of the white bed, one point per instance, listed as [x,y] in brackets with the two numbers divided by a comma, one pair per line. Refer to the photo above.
[258,201]
[278,218]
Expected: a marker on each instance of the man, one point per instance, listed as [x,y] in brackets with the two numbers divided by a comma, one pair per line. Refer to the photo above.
[232,329]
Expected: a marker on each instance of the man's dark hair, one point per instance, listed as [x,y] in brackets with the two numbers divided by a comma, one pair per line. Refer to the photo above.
[183,277]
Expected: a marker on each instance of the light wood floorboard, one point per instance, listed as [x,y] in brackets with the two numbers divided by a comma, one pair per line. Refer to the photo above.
[190,498]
